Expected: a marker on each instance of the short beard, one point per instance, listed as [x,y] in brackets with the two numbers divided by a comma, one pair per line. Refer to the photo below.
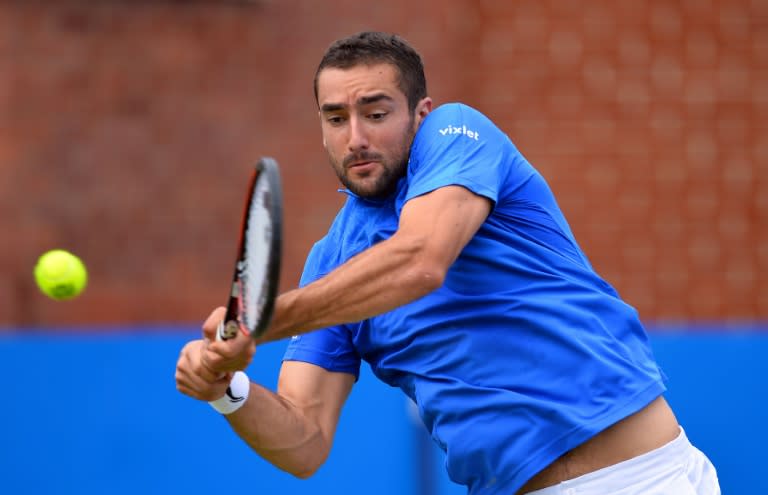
[392,170]
[384,185]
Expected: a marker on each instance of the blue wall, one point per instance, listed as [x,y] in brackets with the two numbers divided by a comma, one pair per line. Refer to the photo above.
[94,412]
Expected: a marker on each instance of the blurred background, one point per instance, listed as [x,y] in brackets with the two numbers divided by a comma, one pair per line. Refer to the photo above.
[127,129]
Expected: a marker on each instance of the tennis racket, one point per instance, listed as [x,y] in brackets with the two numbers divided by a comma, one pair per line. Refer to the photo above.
[257,270]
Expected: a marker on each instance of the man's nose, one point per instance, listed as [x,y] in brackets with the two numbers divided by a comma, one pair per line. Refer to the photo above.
[358,135]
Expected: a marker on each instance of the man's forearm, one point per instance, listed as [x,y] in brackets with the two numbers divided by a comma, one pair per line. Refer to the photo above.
[377,280]
[279,432]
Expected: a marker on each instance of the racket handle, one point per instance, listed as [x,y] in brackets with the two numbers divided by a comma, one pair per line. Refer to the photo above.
[227,330]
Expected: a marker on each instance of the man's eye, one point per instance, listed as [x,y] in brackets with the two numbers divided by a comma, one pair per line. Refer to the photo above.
[335,120]
[377,115]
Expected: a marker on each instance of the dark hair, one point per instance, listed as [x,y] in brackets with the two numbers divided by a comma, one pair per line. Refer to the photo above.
[371,47]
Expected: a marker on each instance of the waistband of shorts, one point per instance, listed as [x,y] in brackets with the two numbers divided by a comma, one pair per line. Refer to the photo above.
[632,470]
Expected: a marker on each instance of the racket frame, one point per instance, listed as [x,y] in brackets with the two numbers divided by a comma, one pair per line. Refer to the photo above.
[267,169]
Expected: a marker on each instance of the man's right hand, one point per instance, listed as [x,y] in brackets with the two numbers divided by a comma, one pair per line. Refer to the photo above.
[195,379]
[204,368]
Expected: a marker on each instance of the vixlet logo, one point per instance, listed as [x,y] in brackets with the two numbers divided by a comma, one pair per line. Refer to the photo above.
[452,129]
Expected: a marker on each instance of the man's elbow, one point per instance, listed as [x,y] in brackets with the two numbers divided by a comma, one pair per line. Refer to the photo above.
[426,277]
[305,474]
[308,465]
[307,469]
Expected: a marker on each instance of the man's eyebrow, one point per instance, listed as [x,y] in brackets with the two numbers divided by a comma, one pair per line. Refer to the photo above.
[367,100]
[332,107]
[362,101]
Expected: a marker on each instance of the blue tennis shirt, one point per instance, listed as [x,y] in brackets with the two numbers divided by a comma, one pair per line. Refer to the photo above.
[524,352]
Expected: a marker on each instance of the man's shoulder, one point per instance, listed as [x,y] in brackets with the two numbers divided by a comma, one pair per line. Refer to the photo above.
[454,109]
[454,118]
[453,125]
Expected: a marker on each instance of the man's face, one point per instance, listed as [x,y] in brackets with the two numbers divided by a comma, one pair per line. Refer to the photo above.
[367,127]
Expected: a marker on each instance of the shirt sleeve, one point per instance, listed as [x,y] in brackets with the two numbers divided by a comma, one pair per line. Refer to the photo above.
[330,348]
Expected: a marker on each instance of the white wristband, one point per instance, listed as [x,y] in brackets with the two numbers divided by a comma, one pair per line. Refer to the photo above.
[236,395]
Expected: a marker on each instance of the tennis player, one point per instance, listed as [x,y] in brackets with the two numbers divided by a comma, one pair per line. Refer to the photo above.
[452,271]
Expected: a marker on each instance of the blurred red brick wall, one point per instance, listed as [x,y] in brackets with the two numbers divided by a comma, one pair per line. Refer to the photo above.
[127,128]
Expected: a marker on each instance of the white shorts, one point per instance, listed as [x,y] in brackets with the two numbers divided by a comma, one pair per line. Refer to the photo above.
[677,468]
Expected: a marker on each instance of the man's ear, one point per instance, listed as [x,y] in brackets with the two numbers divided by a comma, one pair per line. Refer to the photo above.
[423,107]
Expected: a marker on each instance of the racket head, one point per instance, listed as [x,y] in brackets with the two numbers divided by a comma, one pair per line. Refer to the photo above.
[257,270]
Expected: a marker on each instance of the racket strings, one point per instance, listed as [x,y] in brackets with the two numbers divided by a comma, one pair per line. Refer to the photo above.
[254,265]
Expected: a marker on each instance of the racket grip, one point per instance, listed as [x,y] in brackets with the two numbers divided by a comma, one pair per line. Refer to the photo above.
[227,330]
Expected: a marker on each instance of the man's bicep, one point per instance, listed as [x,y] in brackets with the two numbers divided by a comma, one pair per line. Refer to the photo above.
[447,218]
[319,393]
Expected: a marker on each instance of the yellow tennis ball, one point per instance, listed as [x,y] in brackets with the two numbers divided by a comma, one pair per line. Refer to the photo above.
[60,274]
